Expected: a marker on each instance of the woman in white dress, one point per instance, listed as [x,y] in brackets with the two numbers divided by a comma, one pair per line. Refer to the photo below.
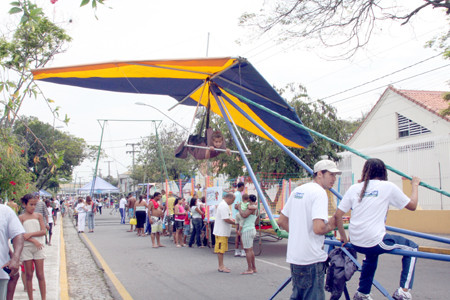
[81,210]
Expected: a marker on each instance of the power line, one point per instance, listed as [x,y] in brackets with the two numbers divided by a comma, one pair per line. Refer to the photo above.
[384,76]
[390,83]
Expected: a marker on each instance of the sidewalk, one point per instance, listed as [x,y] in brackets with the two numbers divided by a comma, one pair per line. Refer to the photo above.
[51,269]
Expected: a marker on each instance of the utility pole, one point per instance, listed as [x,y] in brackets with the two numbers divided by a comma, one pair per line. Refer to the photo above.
[109,167]
[132,153]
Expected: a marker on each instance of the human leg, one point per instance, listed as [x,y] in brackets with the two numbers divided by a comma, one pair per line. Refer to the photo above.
[220,248]
[29,277]
[369,266]
[3,288]
[39,263]
[391,242]
[12,282]
[81,222]
[308,281]
[50,232]
[122,216]
[90,219]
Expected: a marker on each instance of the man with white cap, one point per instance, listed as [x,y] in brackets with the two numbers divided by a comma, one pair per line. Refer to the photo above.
[305,217]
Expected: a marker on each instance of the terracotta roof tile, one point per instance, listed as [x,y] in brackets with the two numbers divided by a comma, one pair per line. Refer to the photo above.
[430,100]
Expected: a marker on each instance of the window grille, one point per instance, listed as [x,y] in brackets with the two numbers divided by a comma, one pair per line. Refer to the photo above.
[407,127]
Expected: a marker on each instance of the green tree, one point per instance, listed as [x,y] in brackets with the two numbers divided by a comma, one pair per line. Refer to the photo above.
[150,167]
[67,151]
[15,180]
[344,26]
[34,43]
[266,156]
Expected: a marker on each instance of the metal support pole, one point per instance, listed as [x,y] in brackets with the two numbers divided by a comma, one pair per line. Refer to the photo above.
[98,158]
[283,147]
[161,153]
[247,164]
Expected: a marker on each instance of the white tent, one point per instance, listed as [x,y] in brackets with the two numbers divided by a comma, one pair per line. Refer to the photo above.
[44,193]
[101,186]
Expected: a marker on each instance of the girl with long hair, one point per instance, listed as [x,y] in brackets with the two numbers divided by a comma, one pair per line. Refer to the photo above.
[369,201]
[33,250]
[90,213]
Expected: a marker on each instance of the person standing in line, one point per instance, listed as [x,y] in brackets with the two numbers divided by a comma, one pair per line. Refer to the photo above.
[238,251]
[56,207]
[41,208]
[130,204]
[222,229]
[305,217]
[197,223]
[100,205]
[140,207]
[50,221]
[369,201]
[81,210]
[155,211]
[248,232]
[122,206]
[90,213]
[179,215]
[10,228]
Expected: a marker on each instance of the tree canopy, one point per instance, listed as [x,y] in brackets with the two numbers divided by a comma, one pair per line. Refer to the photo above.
[345,25]
[149,165]
[67,152]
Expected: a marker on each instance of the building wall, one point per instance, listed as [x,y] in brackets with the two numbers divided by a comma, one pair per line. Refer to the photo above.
[425,155]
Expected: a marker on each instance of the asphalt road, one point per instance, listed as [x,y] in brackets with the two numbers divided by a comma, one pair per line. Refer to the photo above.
[191,273]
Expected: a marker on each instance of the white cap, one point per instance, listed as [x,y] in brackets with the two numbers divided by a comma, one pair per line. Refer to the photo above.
[327,165]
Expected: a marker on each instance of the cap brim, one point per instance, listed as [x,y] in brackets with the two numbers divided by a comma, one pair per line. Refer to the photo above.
[336,171]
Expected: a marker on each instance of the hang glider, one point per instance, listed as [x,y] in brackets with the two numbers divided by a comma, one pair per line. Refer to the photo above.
[192,81]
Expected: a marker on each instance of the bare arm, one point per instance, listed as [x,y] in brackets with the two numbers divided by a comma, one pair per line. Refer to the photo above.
[250,210]
[414,199]
[320,228]
[340,225]
[230,221]
[14,262]
[283,222]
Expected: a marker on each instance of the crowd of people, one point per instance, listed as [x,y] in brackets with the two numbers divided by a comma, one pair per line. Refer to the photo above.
[29,227]
[304,216]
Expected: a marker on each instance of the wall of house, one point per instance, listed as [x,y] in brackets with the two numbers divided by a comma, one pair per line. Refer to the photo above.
[427,221]
[426,155]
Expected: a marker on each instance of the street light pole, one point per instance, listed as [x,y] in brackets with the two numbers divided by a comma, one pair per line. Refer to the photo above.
[145,104]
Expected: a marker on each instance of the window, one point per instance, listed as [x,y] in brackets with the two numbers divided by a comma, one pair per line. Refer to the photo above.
[406,127]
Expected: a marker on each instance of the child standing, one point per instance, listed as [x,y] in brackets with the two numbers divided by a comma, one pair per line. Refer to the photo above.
[187,224]
[33,250]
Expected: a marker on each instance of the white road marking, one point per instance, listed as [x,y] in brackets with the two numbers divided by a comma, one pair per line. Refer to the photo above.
[273,264]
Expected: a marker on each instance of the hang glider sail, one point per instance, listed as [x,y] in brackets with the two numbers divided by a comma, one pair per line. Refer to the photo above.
[190,81]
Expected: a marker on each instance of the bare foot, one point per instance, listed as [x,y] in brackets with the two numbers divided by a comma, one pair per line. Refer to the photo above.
[247,272]
[161,245]
[155,246]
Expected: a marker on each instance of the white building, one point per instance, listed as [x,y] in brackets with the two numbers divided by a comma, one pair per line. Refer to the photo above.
[406,131]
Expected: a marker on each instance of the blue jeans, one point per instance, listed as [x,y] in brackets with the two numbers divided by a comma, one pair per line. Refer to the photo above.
[90,219]
[196,231]
[122,216]
[389,243]
[148,226]
[308,281]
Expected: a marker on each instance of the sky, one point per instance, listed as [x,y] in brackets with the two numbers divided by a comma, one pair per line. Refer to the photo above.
[142,29]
